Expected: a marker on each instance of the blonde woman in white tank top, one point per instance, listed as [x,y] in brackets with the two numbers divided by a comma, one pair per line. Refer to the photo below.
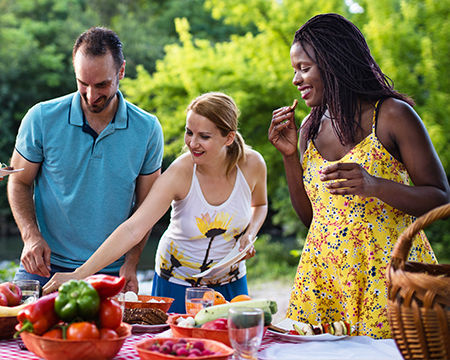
[223,182]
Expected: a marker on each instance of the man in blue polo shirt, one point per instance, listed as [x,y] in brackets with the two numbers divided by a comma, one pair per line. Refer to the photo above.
[90,157]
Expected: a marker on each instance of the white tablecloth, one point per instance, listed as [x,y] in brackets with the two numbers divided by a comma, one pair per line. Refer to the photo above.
[354,347]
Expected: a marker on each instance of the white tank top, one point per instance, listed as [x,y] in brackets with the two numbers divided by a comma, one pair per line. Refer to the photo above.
[201,234]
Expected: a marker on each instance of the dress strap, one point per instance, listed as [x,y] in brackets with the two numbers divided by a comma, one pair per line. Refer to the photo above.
[376,111]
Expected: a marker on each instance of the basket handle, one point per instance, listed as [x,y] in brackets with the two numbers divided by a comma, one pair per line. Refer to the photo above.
[404,242]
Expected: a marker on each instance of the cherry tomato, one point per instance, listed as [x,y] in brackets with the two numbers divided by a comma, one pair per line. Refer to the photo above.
[82,330]
[109,334]
[110,314]
[218,324]
[53,334]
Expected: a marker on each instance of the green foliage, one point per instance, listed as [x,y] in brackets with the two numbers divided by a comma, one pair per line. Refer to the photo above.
[239,47]
[273,260]
[7,271]
[255,70]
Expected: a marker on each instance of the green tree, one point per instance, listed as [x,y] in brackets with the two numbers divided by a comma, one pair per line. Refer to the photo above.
[255,69]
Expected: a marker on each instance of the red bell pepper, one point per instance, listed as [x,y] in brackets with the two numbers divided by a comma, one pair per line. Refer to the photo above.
[106,285]
[39,316]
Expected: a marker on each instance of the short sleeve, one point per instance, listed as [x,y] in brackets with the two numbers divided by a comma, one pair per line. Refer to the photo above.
[155,149]
[29,137]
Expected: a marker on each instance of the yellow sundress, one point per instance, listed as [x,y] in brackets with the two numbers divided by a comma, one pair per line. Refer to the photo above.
[341,274]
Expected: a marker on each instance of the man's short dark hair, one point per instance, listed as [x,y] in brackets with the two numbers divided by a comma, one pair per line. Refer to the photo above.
[97,41]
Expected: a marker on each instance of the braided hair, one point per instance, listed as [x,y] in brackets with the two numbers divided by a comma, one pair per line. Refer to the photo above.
[349,73]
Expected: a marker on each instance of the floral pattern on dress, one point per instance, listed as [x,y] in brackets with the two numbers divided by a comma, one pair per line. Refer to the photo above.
[341,274]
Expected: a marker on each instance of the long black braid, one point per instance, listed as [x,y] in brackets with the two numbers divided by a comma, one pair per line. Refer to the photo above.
[349,73]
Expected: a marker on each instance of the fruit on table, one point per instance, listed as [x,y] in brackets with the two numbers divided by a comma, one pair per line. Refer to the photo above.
[181,347]
[38,316]
[217,297]
[218,324]
[82,331]
[242,297]
[106,285]
[110,314]
[3,300]
[11,310]
[77,299]
[12,293]
[221,311]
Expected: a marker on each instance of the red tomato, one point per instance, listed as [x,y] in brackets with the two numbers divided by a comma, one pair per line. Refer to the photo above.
[110,314]
[109,334]
[82,330]
[53,334]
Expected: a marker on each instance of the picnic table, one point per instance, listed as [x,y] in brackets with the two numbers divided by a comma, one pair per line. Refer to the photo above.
[273,347]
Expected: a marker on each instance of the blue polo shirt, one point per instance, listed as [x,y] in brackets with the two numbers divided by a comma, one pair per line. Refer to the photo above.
[85,187]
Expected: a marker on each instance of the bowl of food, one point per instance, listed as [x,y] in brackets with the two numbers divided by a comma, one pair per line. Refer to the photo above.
[217,330]
[181,331]
[7,326]
[57,349]
[147,301]
[176,348]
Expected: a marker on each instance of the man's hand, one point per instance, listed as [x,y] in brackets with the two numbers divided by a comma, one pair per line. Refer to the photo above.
[129,272]
[36,256]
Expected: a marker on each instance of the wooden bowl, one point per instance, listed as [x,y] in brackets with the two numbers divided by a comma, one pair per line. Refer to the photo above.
[57,349]
[222,351]
[143,303]
[7,326]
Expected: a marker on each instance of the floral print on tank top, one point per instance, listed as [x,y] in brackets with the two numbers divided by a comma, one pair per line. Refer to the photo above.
[341,274]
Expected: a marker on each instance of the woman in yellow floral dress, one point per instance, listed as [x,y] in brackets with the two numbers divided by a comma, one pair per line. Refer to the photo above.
[217,191]
[367,168]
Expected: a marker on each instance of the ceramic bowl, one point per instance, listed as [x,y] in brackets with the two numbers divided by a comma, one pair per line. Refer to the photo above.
[57,349]
[144,303]
[222,352]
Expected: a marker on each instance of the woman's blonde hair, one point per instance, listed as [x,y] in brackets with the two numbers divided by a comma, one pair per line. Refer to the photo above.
[223,112]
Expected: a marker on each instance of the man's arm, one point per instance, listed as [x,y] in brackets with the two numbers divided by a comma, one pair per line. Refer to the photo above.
[36,252]
[129,268]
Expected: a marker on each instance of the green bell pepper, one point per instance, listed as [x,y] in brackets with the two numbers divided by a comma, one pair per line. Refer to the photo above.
[77,299]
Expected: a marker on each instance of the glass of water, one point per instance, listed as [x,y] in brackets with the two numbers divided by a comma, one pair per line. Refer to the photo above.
[30,289]
[198,298]
[245,329]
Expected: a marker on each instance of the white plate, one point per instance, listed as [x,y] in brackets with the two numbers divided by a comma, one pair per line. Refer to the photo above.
[139,329]
[233,257]
[287,325]
[4,172]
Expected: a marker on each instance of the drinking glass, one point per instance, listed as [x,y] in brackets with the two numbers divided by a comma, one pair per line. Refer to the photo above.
[245,329]
[198,298]
[30,289]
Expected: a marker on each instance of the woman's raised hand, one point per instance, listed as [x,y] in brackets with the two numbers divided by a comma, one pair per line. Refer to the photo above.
[283,131]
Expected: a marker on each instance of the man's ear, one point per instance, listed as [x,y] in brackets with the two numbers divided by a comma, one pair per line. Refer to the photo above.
[122,70]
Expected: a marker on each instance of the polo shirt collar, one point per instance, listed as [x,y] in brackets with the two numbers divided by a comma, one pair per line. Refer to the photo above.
[76,113]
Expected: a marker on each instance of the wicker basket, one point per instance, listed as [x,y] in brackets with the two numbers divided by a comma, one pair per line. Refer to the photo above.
[419,298]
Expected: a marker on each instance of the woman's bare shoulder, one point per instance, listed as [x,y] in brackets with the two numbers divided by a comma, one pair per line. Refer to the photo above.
[179,174]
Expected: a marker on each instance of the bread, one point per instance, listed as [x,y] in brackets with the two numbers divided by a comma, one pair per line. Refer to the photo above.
[145,316]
